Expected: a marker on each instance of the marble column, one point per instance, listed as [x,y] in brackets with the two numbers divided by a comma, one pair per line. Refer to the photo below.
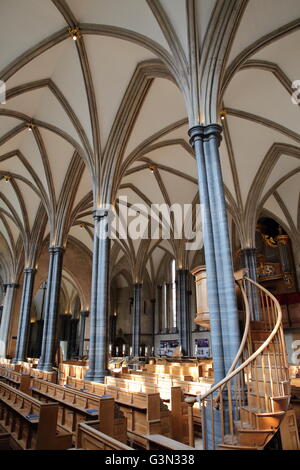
[164,309]
[24,321]
[154,310]
[83,315]
[136,319]
[183,315]
[49,345]
[224,321]
[98,347]
[6,316]
[249,262]
[197,135]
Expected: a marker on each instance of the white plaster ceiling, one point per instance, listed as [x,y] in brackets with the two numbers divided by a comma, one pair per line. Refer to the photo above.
[162,118]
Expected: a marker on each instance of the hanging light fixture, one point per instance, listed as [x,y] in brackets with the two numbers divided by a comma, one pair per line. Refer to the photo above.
[223,114]
[152,168]
[30,126]
[7,178]
[74,33]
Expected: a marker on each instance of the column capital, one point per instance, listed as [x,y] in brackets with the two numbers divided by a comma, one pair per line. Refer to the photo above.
[250,251]
[29,270]
[84,313]
[56,249]
[138,284]
[101,213]
[12,284]
[204,133]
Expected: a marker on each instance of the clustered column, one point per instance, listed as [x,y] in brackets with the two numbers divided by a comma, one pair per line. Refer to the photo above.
[249,262]
[183,311]
[136,319]
[225,335]
[24,321]
[220,279]
[51,308]
[6,316]
[83,315]
[99,299]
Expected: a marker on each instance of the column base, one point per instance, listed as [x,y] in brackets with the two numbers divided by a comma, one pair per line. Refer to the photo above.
[99,377]
[16,360]
[45,367]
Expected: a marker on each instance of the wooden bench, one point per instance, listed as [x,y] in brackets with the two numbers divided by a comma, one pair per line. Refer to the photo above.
[157,442]
[71,369]
[15,379]
[89,437]
[145,412]
[76,406]
[30,423]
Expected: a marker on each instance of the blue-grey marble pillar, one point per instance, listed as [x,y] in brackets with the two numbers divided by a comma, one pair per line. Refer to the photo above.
[83,315]
[24,321]
[136,319]
[49,345]
[6,316]
[249,262]
[224,321]
[183,314]
[197,135]
[99,299]
[226,284]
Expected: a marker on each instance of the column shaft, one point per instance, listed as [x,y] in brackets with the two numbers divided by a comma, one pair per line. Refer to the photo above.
[46,361]
[249,262]
[136,319]
[197,137]
[83,316]
[6,317]
[24,321]
[99,300]
[183,315]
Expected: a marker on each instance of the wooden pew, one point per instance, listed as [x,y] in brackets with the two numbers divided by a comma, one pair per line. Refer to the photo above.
[71,369]
[89,437]
[145,412]
[15,379]
[157,442]
[76,406]
[30,423]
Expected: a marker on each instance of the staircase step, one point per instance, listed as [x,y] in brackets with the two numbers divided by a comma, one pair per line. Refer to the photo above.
[255,437]
[280,403]
[258,325]
[261,419]
[259,335]
[237,447]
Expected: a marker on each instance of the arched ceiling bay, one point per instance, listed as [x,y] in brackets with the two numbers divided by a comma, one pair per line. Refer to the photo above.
[121,80]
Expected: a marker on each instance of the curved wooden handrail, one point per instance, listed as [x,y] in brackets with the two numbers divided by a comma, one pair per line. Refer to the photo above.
[244,339]
[275,330]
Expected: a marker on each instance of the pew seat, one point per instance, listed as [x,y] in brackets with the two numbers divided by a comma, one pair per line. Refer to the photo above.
[89,437]
[31,423]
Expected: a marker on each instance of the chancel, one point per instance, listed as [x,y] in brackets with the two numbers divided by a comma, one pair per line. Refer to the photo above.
[149,225]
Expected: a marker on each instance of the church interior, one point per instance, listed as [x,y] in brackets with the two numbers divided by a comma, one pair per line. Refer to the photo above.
[149,225]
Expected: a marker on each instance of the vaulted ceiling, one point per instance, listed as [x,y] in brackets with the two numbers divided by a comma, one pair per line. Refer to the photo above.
[107,115]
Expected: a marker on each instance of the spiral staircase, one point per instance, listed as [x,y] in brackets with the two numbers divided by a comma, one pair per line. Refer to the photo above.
[245,409]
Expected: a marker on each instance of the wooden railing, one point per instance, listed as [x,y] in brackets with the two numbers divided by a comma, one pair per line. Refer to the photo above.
[257,380]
